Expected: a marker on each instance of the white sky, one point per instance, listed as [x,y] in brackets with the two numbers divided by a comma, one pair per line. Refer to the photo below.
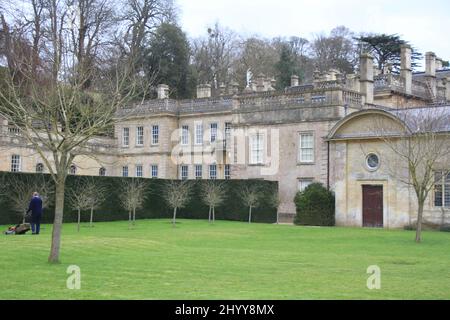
[425,23]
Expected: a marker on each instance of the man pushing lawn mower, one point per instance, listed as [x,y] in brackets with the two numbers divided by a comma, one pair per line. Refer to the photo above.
[35,208]
[36,213]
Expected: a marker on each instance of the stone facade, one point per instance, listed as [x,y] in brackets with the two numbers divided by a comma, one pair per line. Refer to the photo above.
[258,133]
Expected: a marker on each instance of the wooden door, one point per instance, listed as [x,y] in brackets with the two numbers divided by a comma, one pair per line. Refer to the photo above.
[372,206]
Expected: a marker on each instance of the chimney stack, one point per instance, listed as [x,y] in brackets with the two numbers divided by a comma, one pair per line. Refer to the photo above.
[294,81]
[260,87]
[430,64]
[405,68]
[233,88]
[163,91]
[366,77]
[430,72]
[203,91]
[439,64]
[447,88]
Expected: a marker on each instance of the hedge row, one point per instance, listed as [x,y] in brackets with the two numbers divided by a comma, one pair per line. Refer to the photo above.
[155,207]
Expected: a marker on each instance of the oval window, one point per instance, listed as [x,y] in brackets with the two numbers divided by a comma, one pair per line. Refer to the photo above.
[373,162]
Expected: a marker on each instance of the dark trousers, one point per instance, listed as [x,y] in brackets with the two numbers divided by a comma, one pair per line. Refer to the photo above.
[36,223]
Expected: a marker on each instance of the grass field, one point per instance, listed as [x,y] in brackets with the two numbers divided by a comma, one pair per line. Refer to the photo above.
[228,260]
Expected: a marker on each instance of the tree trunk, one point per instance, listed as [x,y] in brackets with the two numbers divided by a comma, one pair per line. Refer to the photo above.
[57,222]
[213,214]
[79,220]
[209,215]
[174,216]
[250,214]
[129,219]
[419,221]
[92,217]
[134,216]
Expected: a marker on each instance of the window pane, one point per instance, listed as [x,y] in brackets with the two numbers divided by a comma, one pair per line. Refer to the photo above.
[154,171]
[199,133]
[438,195]
[155,134]
[185,135]
[140,136]
[447,195]
[139,171]
[213,128]
[306,147]
[126,136]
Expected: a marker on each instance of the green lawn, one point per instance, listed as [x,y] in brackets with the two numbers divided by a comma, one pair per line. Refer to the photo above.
[228,260]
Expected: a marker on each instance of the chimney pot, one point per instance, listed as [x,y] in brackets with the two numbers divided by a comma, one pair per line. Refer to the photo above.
[203,91]
[163,91]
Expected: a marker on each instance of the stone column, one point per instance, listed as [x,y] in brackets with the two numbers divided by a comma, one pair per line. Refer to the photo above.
[430,71]
[163,91]
[447,88]
[294,81]
[203,91]
[260,87]
[366,77]
[406,69]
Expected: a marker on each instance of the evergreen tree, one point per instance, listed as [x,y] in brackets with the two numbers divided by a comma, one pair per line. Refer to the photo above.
[285,67]
[386,49]
[167,61]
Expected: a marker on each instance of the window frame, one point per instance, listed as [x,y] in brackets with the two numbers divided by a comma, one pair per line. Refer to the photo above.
[139,136]
[213,131]
[141,167]
[300,156]
[184,139]
[443,183]
[127,144]
[196,171]
[182,176]
[16,166]
[303,180]
[152,170]
[227,172]
[198,134]
[210,167]
[127,171]
[259,149]
[155,135]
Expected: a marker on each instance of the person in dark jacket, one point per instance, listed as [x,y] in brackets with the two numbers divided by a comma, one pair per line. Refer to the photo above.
[36,213]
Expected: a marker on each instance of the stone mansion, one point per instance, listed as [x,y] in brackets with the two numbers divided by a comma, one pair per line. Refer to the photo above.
[307,133]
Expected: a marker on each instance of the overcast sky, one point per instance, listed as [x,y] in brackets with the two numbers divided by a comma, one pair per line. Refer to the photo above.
[425,23]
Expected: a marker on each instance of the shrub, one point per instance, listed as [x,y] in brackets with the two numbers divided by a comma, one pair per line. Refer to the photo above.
[315,206]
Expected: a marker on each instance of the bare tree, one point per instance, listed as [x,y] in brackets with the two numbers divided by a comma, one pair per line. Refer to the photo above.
[213,194]
[79,197]
[249,195]
[420,150]
[177,194]
[336,50]
[59,117]
[214,55]
[97,196]
[21,189]
[273,197]
[132,196]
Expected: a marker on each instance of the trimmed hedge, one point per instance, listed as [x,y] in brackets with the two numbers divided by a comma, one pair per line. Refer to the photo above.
[154,207]
[315,206]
